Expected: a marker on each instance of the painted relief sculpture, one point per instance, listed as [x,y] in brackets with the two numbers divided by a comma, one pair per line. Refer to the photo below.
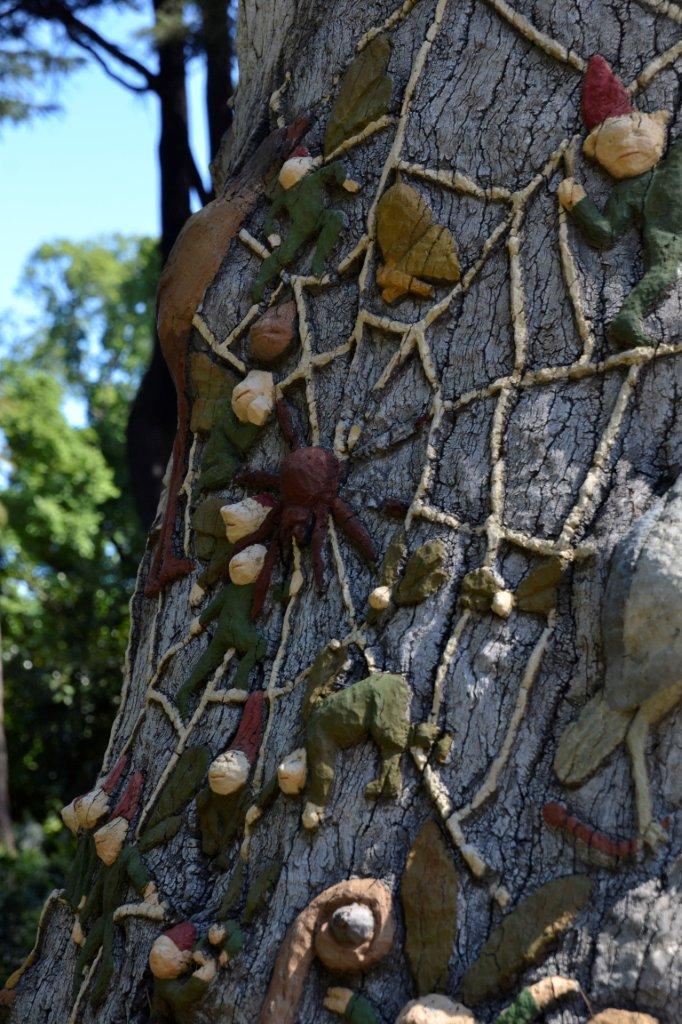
[349,927]
[122,866]
[414,249]
[529,1006]
[376,707]
[191,266]
[182,973]
[231,606]
[272,335]
[629,144]
[301,194]
[308,483]
[642,638]
[364,94]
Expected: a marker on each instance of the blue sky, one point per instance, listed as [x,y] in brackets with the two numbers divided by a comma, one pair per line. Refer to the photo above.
[87,171]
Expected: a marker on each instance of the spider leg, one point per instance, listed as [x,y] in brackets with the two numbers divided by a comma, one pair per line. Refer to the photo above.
[264,531]
[285,418]
[318,541]
[258,478]
[260,587]
[348,521]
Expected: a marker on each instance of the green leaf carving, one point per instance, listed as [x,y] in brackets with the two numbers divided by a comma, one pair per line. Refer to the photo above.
[429,896]
[166,818]
[364,95]
[525,935]
[424,574]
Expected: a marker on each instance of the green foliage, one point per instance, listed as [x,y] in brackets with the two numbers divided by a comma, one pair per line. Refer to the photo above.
[28,74]
[40,865]
[69,538]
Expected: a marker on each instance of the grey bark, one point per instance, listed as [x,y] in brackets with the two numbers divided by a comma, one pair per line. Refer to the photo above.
[493,105]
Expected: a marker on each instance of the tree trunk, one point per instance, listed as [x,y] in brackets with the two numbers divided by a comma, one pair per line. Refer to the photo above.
[217,45]
[518,441]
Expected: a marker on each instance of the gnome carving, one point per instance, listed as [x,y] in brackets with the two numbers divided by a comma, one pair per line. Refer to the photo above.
[629,144]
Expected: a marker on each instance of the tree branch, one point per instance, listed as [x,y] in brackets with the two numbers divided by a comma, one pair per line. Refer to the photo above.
[80,32]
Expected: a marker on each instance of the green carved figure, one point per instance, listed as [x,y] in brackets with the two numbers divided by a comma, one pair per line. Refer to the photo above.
[232,608]
[177,993]
[301,193]
[630,144]
[377,707]
[228,442]
[97,914]
[528,1007]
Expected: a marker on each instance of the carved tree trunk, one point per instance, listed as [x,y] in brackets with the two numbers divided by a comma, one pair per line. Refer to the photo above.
[520,439]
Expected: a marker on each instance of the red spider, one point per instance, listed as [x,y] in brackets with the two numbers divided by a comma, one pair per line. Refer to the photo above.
[308,482]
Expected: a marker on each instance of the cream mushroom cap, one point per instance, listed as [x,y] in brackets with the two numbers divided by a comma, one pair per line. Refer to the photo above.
[435,1009]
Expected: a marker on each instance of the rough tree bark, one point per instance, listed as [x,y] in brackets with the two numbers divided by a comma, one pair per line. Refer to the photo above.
[524,441]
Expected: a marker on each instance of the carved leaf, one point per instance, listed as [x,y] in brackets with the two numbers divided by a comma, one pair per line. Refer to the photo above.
[589,740]
[186,776]
[424,574]
[364,94]
[211,385]
[429,896]
[537,593]
[413,246]
[525,935]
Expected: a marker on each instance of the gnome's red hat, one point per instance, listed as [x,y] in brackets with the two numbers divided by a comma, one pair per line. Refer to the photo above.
[184,935]
[299,151]
[127,805]
[604,95]
[114,777]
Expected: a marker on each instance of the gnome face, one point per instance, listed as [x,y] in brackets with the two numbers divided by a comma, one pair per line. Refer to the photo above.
[229,772]
[295,168]
[630,144]
[109,839]
[166,960]
[435,1009]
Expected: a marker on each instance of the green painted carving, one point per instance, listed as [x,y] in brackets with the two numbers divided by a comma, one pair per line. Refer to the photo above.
[396,553]
[301,195]
[537,593]
[428,891]
[478,589]
[376,707]
[525,936]
[209,383]
[364,94]
[322,675]
[232,608]
[259,890]
[412,246]
[82,872]
[210,543]
[166,818]
[97,917]
[424,574]
[629,145]
[588,741]
[221,820]
[233,894]
[228,442]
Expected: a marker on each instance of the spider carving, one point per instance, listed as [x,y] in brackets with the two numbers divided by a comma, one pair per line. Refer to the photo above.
[308,483]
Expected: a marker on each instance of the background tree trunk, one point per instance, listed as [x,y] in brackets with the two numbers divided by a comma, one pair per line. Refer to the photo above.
[513,463]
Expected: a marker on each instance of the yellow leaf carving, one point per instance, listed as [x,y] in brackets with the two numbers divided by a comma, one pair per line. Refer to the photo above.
[413,247]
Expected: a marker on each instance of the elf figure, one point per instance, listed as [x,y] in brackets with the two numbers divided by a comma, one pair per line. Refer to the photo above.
[122,866]
[436,1009]
[178,993]
[232,608]
[629,144]
[301,192]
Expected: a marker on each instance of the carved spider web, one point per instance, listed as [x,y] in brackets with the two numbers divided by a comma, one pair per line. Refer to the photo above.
[413,338]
